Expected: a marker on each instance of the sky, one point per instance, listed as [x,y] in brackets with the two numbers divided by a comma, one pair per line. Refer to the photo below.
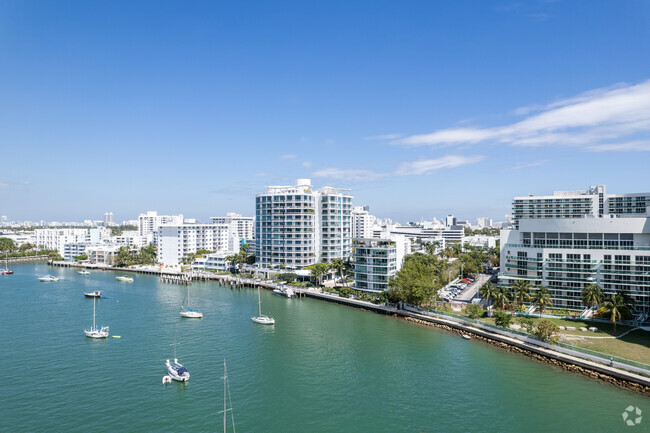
[420,108]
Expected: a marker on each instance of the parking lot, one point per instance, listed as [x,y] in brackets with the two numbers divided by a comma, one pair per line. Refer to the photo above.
[465,290]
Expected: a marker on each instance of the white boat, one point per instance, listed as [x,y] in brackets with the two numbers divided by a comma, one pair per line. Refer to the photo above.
[94,332]
[124,278]
[84,272]
[262,319]
[188,312]
[466,337]
[288,292]
[6,270]
[226,396]
[48,278]
[95,294]
[176,370]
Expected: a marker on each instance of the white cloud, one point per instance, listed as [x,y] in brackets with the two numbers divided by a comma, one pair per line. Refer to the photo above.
[383,137]
[348,174]
[588,121]
[630,146]
[523,165]
[289,156]
[307,164]
[428,166]
[417,168]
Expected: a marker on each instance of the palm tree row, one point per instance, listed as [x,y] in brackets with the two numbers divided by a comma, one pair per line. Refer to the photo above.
[617,306]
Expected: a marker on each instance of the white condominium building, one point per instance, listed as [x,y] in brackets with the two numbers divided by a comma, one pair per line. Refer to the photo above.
[53,239]
[177,241]
[572,239]
[244,227]
[149,222]
[374,261]
[296,226]
[362,222]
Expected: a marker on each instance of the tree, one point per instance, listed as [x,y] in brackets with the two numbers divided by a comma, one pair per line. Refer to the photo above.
[542,298]
[414,283]
[338,266]
[616,307]
[521,289]
[592,295]
[547,331]
[7,245]
[288,277]
[318,271]
[474,311]
[81,257]
[502,296]
[503,319]
[487,292]
[526,323]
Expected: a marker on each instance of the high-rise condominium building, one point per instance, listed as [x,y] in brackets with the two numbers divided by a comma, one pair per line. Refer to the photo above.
[574,238]
[149,222]
[362,222]
[242,226]
[296,226]
[374,262]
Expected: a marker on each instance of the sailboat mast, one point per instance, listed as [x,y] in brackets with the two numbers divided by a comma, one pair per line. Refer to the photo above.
[225,377]
[94,301]
[259,300]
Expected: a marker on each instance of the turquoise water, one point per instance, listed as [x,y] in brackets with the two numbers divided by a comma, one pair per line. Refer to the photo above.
[321,368]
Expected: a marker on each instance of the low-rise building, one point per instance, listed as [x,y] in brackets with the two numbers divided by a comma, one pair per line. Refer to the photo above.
[374,261]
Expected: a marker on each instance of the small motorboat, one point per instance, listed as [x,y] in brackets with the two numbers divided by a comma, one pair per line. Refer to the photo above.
[48,278]
[177,372]
[288,292]
[466,337]
[95,294]
[124,278]
[84,272]
[167,379]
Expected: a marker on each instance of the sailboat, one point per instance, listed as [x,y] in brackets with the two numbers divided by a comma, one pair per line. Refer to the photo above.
[176,370]
[186,311]
[262,319]
[226,396]
[6,270]
[94,332]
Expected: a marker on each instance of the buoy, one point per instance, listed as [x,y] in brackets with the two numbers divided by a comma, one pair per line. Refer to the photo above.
[117,336]
[166,379]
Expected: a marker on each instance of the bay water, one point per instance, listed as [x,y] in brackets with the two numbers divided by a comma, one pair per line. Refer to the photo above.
[321,368]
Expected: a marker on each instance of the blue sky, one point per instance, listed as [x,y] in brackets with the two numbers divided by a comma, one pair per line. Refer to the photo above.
[420,108]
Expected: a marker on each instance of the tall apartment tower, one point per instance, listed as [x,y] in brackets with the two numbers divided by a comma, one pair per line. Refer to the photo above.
[362,222]
[109,219]
[242,226]
[574,238]
[296,226]
[149,222]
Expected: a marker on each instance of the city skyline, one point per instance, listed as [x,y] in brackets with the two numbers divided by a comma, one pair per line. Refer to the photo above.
[420,110]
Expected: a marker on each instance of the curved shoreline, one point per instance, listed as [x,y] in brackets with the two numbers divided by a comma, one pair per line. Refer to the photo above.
[564,365]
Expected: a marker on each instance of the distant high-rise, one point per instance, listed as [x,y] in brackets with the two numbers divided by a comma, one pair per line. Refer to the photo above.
[109,219]
[296,226]
[242,226]
[149,222]
[362,222]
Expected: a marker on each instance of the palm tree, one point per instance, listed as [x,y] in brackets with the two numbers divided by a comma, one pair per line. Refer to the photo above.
[502,296]
[487,292]
[521,289]
[541,298]
[338,266]
[617,306]
[592,295]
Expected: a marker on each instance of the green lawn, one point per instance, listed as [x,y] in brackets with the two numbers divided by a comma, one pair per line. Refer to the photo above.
[635,346]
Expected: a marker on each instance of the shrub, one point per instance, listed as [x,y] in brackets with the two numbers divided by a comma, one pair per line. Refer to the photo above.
[526,323]
[547,331]
[502,319]
[474,311]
